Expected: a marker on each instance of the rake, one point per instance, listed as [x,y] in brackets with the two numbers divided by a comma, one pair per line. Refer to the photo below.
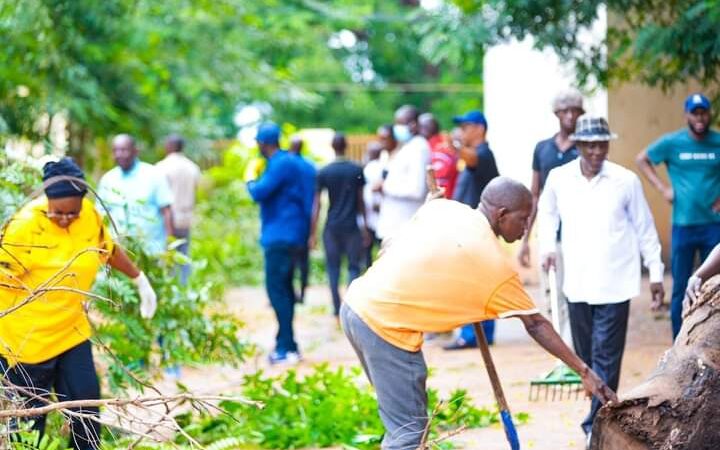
[561,382]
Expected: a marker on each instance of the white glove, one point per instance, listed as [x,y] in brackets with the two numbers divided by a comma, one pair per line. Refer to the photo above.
[148,298]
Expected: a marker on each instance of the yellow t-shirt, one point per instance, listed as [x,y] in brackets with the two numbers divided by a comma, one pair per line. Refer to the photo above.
[33,257]
[444,269]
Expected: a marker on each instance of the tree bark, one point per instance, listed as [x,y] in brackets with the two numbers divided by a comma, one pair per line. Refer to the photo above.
[677,406]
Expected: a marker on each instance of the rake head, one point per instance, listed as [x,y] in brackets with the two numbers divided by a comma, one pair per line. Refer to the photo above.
[561,383]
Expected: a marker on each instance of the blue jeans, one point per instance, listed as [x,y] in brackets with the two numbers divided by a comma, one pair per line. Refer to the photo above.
[340,243]
[467,333]
[688,242]
[72,376]
[181,233]
[598,333]
[301,264]
[279,285]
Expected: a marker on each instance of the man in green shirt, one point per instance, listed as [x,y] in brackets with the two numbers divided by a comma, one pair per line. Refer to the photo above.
[692,157]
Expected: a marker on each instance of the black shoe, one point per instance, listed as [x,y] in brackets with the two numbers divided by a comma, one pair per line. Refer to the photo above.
[459,344]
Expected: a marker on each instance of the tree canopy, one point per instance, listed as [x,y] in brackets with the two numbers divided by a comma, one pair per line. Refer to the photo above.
[147,68]
[656,42]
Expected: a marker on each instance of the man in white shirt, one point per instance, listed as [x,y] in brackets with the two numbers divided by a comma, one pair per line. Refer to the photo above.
[606,226]
[404,188]
[183,176]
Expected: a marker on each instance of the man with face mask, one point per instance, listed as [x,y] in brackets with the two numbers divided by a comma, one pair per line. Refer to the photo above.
[692,158]
[283,233]
[404,187]
[606,227]
[445,269]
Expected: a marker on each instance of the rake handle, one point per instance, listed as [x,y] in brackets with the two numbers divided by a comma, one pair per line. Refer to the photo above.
[490,367]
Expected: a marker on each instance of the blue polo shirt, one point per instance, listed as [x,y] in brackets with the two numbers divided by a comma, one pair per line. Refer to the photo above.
[694,170]
[134,200]
[279,191]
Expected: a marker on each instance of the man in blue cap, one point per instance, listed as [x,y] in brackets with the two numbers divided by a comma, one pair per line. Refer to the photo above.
[279,191]
[480,168]
[692,158]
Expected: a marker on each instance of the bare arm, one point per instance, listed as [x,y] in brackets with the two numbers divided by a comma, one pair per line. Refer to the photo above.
[542,331]
[312,240]
[648,170]
[167,220]
[120,261]
[469,155]
[711,266]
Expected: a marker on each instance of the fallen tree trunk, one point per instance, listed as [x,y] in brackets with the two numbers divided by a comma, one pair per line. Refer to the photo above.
[678,407]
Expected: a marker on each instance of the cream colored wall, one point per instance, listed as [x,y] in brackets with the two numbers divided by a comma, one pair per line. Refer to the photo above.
[639,115]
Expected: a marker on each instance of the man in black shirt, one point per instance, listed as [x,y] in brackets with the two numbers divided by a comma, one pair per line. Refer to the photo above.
[479,160]
[344,182]
[480,168]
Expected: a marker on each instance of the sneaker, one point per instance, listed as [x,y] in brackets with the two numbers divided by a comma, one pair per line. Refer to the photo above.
[282,357]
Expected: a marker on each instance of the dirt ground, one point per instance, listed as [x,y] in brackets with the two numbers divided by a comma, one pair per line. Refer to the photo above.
[552,426]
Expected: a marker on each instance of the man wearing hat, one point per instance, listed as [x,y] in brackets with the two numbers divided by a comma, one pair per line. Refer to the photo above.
[284,231]
[606,228]
[480,168]
[550,153]
[692,158]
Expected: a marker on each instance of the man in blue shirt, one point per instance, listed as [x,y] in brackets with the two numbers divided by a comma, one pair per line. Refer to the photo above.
[283,233]
[309,174]
[137,196]
[692,157]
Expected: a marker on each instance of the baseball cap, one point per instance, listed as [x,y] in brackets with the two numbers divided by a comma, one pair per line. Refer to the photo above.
[474,116]
[696,101]
[268,133]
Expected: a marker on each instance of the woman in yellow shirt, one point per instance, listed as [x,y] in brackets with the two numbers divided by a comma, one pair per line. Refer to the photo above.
[50,253]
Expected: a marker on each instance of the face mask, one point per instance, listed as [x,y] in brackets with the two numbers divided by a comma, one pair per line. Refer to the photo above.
[402,133]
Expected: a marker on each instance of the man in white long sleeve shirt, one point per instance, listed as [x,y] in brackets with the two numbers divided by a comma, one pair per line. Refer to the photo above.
[404,188]
[607,227]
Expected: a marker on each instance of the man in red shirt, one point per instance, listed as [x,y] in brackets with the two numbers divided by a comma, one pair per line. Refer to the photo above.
[443,158]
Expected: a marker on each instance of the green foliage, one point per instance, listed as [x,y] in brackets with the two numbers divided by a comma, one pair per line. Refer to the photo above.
[149,68]
[324,408]
[657,42]
[189,324]
[31,440]
[17,181]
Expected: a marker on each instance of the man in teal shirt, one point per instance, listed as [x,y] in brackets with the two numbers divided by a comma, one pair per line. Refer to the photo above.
[138,196]
[692,157]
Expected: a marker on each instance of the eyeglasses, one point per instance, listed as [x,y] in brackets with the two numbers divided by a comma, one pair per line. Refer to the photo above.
[66,216]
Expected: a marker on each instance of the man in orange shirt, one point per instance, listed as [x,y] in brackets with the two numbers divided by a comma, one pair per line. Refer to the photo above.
[407,292]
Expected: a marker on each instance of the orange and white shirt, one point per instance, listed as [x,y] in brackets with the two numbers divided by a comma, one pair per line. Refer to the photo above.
[444,269]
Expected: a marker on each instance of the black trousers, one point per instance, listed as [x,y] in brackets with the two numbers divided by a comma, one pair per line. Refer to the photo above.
[72,376]
[599,333]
